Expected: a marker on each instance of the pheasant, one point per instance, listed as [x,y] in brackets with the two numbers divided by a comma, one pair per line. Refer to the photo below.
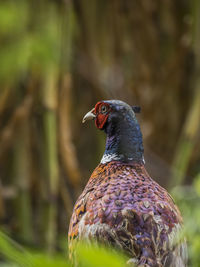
[121,204]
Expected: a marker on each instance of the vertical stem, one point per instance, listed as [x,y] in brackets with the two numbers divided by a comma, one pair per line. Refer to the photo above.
[67,148]
[22,180]
[187,140]
[50,127]
[2,207]
[192,122]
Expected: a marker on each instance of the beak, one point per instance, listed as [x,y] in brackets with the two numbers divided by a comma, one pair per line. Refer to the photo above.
[89,116]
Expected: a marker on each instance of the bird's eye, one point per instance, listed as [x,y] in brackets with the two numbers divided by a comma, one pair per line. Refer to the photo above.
[103,109]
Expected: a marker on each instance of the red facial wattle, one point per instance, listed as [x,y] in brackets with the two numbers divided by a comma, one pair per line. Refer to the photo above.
[101,118]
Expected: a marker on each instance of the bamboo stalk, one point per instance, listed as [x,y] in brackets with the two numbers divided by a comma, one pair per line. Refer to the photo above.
[23,209]
[50,128]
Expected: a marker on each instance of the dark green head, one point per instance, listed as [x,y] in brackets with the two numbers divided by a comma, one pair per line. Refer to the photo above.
[124,138]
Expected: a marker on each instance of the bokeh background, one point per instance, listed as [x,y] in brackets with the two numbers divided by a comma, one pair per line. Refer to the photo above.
[57,59]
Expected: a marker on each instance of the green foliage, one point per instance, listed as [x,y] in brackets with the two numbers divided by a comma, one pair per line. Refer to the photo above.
[95,256]
[14,254]
[87,256]
[26,43]
[188,200]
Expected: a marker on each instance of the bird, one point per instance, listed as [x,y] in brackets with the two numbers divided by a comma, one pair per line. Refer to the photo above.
[121,205]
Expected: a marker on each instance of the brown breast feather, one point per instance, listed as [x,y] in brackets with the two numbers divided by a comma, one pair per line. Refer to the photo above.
[122,206]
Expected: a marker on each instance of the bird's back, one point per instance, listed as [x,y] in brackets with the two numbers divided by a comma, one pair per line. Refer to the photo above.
[122,206]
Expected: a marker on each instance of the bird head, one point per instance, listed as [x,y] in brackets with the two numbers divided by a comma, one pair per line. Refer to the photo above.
[110,111]
[124,137]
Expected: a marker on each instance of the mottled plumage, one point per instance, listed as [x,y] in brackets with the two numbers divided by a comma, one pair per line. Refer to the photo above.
[122,206]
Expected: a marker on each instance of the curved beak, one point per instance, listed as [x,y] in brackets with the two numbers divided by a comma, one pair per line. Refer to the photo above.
[89,116]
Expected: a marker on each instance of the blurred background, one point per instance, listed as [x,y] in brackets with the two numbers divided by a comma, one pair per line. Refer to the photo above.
[57,59]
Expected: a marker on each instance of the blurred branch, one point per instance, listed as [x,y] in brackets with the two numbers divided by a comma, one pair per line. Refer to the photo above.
[4,98]
[20,114]
[66,197]
[67,149]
